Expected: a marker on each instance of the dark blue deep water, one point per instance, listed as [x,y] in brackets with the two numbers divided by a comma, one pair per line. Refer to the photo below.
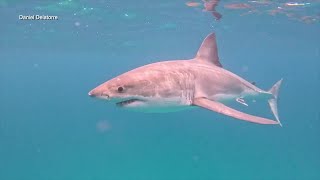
[50,129]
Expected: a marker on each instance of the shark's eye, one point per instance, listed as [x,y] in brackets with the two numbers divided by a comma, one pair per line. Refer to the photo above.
[120,89]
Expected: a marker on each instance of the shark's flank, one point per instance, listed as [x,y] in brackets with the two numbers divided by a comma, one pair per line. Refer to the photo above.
[181,84]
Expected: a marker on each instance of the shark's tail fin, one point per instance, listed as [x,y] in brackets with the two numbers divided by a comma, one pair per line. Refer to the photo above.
[273,101]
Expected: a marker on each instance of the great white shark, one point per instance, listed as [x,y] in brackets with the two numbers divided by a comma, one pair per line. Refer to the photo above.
[180,84]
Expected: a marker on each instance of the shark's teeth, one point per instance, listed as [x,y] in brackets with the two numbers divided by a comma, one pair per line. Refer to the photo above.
[126,102]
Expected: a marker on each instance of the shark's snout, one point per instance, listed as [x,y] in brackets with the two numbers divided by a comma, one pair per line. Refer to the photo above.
[91,94]
[94,93]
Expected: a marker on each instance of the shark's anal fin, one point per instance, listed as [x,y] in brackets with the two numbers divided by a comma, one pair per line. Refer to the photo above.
[223,109]
[208,51]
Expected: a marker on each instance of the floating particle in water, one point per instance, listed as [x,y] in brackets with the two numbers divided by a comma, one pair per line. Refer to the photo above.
[77,24]
[103,126]
[51,31]
[276,11]
[291,15]
[244,68]
[249,12]
[226,28]
[128,43]
[263,2]
[3,3]
[193,4]
[195,158]
[35,65]
[129,15]
[296,4]
[308,19]
[38,150]
[59,6]
[237,6]
[168,26]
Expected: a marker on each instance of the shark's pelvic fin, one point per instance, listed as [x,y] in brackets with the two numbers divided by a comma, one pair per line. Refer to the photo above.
[208,51]
[274,101]
[241,101]
[223,109]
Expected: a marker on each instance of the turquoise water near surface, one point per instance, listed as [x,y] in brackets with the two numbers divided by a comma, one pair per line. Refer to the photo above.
[50,129]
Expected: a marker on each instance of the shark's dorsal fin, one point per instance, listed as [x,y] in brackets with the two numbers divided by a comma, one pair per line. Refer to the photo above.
[208,51]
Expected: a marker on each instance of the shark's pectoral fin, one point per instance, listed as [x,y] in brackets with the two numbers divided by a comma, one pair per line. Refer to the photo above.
[223,109]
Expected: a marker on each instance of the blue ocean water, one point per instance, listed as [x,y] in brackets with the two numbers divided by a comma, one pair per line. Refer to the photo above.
[51,130]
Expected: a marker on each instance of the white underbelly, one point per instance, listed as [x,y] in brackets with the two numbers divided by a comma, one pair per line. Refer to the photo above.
[160,105]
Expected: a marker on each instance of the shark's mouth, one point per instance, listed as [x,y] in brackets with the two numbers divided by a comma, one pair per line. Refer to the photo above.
[127,102]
